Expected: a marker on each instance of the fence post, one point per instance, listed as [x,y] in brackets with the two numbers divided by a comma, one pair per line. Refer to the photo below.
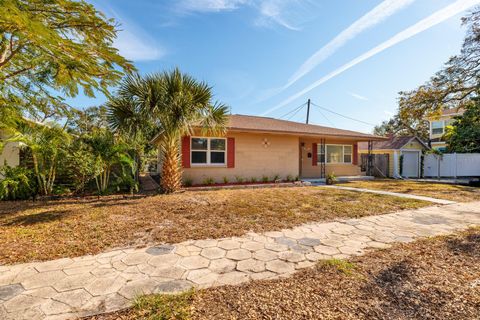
[455,159]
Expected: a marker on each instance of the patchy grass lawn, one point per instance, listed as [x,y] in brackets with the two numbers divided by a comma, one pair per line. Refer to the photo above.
[437,278]
[434,190]
[73,227]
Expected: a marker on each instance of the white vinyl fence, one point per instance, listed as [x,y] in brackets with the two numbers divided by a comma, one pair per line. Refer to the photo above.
[452,165]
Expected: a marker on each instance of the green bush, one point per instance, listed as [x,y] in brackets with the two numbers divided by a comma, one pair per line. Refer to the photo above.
[253,179]
[225,180]
[265,178]
[18,183]
[209,181]
[238,179]
[289,178]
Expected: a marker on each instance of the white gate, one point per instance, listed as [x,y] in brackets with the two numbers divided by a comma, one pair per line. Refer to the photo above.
[452,165]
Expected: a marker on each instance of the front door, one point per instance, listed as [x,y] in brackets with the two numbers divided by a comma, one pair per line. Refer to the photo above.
[411,160]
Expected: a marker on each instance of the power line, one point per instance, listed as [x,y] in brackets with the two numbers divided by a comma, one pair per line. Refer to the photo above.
[344,116]
[323,114]
[293,115]
[296,109]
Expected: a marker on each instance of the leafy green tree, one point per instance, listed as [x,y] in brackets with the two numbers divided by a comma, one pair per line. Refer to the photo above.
[176,103]
[16,183]
[108,152]
[48,145]
[398,127]
[463,135]
[54,47]
[129,119]
[82,165]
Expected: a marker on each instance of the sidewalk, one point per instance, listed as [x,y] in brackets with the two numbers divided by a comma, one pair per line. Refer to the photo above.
[67,288]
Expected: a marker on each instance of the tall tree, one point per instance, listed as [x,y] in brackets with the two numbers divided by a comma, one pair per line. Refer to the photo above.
[176,103]
[398,127]
[464,134]
[52,48]
[130,119]
[454,84]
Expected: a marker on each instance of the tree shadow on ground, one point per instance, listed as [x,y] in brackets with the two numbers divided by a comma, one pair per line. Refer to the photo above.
[32,219]
[470,245]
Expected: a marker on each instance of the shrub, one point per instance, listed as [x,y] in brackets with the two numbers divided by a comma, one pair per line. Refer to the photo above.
[18,183]
[289,178]
[276,177]
[265,178]
[253,180]
[297,178]
[208,181]
[331,178]
[187,182]
[59,190]
[225,180]
[238,179]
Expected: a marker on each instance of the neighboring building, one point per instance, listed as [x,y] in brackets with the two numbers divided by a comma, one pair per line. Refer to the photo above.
[393,149]
[10,153]
[438,125]
[254,147]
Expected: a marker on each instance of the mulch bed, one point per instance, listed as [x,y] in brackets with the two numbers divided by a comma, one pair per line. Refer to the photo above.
[435,278]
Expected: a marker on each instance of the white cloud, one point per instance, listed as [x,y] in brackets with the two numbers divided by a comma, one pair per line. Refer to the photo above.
[209,5]
[269,11]
[425,24]
[136,46]
[357,96]
[370,19]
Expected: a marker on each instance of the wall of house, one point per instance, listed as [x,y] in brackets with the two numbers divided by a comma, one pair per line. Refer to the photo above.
[10,153]
[256,155]
[311,171]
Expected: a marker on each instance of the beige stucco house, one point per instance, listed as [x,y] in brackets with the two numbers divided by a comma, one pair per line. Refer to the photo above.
[408,148]
[438,124]
[257,147]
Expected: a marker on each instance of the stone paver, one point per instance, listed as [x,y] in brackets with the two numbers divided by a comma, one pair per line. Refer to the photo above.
[68,288]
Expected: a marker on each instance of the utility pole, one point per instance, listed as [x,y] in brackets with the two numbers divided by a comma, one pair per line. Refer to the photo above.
[308,110]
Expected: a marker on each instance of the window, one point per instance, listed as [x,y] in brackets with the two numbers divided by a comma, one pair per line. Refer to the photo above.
[208,151]
[437,127]
[335,153]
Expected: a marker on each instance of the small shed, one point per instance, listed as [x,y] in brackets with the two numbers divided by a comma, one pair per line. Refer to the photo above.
[387,155]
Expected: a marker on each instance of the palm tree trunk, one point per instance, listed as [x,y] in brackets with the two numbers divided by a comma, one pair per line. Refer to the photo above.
[171,178]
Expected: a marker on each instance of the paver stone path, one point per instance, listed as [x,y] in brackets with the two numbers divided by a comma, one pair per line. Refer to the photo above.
[69,288]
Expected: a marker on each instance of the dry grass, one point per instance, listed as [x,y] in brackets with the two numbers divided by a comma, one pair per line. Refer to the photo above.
[73,227]
[436,278]
[434,190]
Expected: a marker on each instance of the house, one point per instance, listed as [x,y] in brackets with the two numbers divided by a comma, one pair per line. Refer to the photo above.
[437,127]
[388,154]
[10,154]
[257,147]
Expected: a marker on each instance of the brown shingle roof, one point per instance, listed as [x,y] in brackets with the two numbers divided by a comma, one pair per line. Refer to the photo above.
[393,142]
[263,124]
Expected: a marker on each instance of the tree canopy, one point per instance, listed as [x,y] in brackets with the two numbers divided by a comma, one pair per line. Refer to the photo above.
[463,135]
[55,48]
[454,85]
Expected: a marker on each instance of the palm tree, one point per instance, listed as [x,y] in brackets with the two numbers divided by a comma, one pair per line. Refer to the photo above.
[177,104]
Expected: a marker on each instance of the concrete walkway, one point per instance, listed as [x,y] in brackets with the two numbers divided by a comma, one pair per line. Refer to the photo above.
[68,288]
[396,194]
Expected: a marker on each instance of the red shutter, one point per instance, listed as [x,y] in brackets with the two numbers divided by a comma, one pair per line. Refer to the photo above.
[355,154]
[314,154]
[186,152]
[230,152]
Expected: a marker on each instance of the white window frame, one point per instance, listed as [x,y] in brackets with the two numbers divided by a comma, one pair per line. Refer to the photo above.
[209,152]
[431,127]
[343,153]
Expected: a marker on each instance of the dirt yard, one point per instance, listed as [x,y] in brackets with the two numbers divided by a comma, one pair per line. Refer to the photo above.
[435,190]
[74,227]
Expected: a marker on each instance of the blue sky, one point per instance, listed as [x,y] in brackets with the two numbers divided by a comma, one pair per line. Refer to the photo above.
[267,57]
